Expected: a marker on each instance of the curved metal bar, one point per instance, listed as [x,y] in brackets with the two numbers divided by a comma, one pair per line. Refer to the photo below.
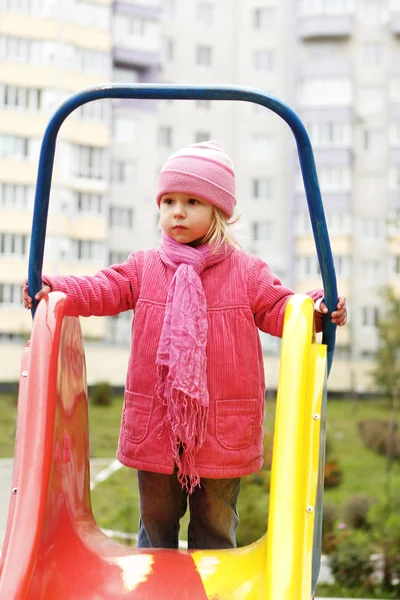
[184,92]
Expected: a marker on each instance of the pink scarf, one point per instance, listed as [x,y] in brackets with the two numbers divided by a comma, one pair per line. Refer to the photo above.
[181,357]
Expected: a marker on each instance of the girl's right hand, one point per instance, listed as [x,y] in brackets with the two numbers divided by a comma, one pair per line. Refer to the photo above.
[27,300]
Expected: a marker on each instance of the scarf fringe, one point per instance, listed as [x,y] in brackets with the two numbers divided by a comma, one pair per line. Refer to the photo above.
[186,418]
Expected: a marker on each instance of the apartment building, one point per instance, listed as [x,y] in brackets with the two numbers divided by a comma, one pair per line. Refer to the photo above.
[334,61]
[49,50]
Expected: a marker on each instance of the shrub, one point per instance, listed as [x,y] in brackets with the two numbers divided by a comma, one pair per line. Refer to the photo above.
[330,517]
[351,562]
[356,511]
[384,518]
[333,472]
[375,435]
[101,394]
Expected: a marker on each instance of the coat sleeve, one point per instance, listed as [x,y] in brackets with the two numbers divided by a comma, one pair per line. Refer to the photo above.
[107,293]
[268,298]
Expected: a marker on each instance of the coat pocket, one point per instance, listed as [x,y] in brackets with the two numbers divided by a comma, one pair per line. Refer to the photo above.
[236,421]
[137,412]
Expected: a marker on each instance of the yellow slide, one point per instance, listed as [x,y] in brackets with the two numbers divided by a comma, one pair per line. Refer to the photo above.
[278,566]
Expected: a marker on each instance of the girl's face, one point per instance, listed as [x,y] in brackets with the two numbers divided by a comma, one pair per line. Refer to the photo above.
[185,218]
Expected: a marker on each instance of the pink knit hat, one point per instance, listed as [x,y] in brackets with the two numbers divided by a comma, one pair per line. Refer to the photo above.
[203,170]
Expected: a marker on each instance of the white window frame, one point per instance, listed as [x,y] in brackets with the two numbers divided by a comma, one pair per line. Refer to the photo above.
[261,188]
[205,13]
[204,55]
[263,59]
[264,17]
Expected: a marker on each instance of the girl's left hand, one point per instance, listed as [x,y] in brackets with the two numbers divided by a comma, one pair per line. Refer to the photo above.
[339,316]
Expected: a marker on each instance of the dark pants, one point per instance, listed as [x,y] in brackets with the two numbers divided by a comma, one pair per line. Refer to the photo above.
[163,502]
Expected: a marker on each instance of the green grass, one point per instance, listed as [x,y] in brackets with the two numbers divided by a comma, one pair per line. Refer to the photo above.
[8,411]
[335,591]
[364,471]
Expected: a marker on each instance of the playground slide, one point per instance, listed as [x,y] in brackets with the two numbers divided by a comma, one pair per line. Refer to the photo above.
[55,550]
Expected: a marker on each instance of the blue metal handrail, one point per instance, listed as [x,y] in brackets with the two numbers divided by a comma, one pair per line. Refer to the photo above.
[191,92]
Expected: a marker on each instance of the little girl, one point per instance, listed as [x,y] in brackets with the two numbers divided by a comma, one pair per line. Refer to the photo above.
[192,421]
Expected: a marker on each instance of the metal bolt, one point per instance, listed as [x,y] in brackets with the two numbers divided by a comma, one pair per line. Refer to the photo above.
[316,417]
[14,490]
[24,373]
[310,509]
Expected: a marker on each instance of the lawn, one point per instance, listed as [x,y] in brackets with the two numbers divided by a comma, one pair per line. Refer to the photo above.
[115,501]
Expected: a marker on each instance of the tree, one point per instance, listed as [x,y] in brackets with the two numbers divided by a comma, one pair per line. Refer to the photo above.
[387,372]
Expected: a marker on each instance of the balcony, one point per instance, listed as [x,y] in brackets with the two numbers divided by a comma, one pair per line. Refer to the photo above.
[136,35]
[326,25]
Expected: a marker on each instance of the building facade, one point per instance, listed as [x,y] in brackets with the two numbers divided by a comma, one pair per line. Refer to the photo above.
[334,61]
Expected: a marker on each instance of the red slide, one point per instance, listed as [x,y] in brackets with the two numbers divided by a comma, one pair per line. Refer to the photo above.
[53,548]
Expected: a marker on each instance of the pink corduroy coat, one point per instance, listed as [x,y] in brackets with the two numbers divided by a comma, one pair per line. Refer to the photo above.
[242,295]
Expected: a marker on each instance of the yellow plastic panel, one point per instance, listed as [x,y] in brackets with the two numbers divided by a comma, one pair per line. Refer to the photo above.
[295,456]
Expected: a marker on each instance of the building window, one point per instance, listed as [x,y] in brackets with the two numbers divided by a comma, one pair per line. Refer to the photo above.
[371,271]
[372,52]
[302,224]
[264,18]
[93,61]
[326,7]
[116,258]
[92,15]
[201,136]
[165,137]
[88,250]
[373,141]
[17,5]
[13,146]
[326,91]
[261,187]
[90,204]
[122,172]
[342,265]
[330,133]
[89,162]
[263,60]
[10,293]
[371,100]
[168,8]
[15,49]
[394,134]
[393,222]
[205,12]
[395,265]
[203,104]
[371,11]
[168,49]
[261,147]
[339,223]
[370,316]
[372,228]
[20,98]
[261,231]
[203,56]
[322,49]
[121,75]
[335,178]
[13,244]
[307,267]
[15,196]
[121,216]
[94,111]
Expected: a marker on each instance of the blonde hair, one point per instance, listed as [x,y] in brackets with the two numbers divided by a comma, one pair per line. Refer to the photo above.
[219,232]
